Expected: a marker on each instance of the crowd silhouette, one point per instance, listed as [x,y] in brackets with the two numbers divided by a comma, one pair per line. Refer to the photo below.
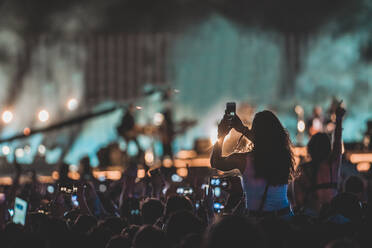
[268,202]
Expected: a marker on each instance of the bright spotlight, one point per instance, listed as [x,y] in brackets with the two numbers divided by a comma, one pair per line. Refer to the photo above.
[41,149]
[7,116]
[301,126]
[19,152]
[5,150]
[43,115]
[72,104]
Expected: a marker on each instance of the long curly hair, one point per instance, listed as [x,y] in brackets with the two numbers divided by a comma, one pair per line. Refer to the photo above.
[272,153]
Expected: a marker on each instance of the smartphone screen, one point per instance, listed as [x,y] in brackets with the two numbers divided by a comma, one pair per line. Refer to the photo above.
[184,191]
[230,109]
[68,189]
[74,201]
[20,211]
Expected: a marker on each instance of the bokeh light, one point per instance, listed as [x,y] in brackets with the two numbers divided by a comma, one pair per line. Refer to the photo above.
[43,115]
[19,152]
[41,149]
[27,149]
[301,126]
[26,131]
[5,150]
[158,119]
[72,104]
[7,116]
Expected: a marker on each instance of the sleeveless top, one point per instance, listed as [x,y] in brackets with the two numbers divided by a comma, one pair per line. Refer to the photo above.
[254,189]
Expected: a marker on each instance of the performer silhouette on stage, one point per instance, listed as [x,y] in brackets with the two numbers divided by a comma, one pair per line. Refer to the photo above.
[127,127]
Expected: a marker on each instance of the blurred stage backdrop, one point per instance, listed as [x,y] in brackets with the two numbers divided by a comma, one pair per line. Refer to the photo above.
[59,61]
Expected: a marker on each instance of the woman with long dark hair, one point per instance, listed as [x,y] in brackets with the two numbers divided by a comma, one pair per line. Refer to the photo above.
[266,169]
[317,180]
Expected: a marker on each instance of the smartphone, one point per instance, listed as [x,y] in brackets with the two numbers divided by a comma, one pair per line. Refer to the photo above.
[184,191]
[74,201]
[222,182]
[68,189]
[135,212]
[230,109]
[20,211]
[218,207]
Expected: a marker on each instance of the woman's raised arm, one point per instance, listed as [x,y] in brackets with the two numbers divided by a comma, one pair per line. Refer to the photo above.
[219,162]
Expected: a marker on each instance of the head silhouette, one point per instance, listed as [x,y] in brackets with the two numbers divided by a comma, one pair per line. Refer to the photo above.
[319,147]
[151,211]
[272,152]
[233,231]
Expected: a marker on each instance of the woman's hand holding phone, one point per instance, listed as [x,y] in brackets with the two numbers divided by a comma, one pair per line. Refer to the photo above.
[237,124]
[224,127]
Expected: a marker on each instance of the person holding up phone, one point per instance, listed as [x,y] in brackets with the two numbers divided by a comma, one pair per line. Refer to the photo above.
[317,181]
[266,169]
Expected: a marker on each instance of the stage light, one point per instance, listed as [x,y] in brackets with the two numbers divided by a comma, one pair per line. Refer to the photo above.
[7,116]
[138,107]
[19,152]
[113,175]
[41,149]
[5,150]
[43,115]
[186,154]
[26,131]
[158,119]
[72,104]
[356,158]
[363,166]
[301,126]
